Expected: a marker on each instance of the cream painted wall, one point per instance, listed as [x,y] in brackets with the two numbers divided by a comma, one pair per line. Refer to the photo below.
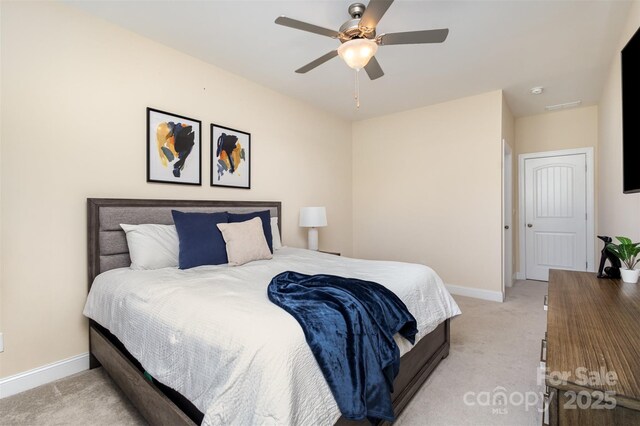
[508,123]
[553,131]
[508,135]
[74,93]
[427,186]
[1,322]
[619,214]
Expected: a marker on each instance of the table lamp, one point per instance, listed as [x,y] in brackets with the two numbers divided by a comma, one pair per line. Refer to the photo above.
[312,218]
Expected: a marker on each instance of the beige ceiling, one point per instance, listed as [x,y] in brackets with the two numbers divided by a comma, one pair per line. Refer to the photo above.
[565,46]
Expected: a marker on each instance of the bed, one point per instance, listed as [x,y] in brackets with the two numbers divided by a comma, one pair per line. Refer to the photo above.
[152,359]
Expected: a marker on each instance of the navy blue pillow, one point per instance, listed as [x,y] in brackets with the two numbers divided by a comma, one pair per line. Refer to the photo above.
[266,223]
[201,241]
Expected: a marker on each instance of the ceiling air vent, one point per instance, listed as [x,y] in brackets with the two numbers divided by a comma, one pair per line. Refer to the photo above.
[563,106]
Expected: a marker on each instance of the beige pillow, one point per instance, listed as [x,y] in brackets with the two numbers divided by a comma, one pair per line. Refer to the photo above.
[245,241]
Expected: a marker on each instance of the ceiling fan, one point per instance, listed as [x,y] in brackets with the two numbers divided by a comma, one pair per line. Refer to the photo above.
[358,37]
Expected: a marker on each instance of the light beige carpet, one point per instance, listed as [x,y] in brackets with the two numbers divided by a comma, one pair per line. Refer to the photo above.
[87,398]
[495,348]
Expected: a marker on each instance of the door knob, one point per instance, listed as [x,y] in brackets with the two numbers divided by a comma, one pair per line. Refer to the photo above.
[529,225]
[506,227]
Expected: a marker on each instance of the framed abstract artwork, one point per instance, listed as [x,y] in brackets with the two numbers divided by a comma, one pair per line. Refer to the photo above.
[173,148]
[230,157]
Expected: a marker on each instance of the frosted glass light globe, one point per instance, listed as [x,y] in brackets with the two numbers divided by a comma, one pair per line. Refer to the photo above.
[357,52]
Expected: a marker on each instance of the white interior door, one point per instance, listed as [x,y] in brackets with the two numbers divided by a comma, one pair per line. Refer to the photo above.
[555,214]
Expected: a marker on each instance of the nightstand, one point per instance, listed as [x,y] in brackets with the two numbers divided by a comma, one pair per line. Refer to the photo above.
[330,252]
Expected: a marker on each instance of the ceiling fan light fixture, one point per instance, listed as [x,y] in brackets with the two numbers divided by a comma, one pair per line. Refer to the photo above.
[358,52]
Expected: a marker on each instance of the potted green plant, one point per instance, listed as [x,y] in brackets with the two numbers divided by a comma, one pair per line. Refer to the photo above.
[627,251]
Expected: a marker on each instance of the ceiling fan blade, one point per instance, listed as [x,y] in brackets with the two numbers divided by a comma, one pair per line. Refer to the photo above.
[374,12]
[373,69]
[414,37]
[321,60]
[304,26]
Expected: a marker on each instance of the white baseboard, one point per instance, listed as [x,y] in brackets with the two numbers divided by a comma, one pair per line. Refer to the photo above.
[521,276]
[477,293]
[39,376]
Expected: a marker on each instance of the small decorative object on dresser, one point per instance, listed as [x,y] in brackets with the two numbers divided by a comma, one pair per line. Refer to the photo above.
[312,218]
[627,251]
[173,148]
[230,157]
[612,271]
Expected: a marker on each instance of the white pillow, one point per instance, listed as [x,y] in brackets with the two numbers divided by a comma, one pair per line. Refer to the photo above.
[245,241]
[152,246]
[275,234]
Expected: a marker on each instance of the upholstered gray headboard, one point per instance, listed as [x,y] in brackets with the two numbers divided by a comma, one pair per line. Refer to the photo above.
[107,244]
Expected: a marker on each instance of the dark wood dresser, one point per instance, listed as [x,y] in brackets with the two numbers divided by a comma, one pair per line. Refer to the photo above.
[592,350]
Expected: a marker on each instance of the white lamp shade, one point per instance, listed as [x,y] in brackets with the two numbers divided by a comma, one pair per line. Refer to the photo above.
[313,217]
[357,52]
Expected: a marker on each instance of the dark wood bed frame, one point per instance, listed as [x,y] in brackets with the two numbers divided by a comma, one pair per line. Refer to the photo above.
[161,405]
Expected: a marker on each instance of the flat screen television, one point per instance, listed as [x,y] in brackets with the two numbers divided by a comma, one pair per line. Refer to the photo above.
[631,115]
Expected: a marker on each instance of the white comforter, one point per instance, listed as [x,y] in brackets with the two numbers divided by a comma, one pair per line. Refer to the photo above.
[212,334]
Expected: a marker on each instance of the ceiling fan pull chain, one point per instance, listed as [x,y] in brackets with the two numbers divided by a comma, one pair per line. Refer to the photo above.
[357,94]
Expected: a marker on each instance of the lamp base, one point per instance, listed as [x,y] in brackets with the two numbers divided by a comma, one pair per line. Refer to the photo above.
[313,239]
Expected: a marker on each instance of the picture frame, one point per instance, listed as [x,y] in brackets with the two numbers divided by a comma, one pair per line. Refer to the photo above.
[230,157]
[174,148]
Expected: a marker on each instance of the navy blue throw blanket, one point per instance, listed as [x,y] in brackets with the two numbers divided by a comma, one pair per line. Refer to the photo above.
[349,325]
